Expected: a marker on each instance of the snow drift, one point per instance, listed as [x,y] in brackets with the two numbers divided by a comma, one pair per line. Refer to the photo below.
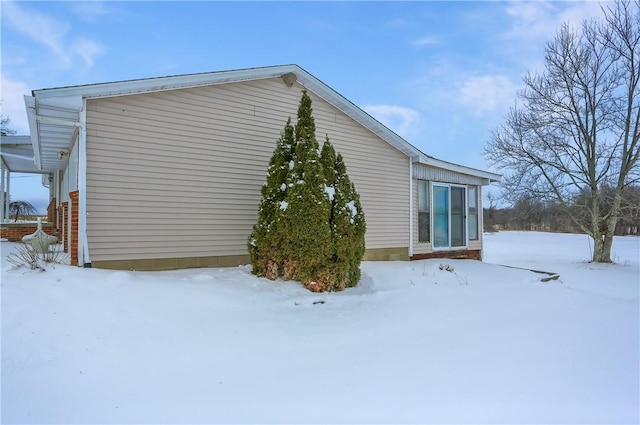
[414,342]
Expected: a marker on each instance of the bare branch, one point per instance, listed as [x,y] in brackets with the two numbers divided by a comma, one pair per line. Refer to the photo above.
[576,130]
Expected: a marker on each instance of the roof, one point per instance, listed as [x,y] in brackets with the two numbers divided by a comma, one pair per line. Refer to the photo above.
[17,154]
[55,113]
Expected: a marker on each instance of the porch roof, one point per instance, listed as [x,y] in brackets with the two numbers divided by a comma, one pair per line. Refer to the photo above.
[54,123]
[17,154]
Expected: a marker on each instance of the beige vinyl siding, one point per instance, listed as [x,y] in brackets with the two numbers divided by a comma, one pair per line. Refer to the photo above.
[178,173]
[379,172]
[424,172]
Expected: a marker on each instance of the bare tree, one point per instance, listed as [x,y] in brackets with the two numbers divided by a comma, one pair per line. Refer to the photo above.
[22,209]
[629,223]
[489,217]
[4,126]
[577,130]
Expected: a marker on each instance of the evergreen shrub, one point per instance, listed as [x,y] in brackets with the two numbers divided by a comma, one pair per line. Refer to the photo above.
[310,224]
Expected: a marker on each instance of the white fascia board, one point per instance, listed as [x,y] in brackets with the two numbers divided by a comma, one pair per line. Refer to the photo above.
[376,127]
[71,98]
[17,156]
[129,87]
[433,162]
[147,85]
[65,103]
[61,111]
[30,104]
[382,131]
[121,88]
[15,140]
[363,118]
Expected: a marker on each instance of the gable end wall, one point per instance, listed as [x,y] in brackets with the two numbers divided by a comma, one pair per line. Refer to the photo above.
[177,174]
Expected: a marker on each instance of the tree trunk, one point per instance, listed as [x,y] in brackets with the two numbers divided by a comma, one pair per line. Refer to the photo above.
[599,255]
[606,249]
[610,227]
[596,225]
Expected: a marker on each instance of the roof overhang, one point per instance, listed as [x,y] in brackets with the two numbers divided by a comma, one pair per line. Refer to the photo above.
[54,114]
[486,176]
[53,123]
[16,153]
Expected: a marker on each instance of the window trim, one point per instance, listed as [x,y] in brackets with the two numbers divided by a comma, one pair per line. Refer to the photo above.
[476,214]
[428,210]
[465,246]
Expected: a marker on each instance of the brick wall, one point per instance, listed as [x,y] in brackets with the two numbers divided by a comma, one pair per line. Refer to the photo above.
[464,254]
[62,225]
[74,196]
[14,232]
[51,211]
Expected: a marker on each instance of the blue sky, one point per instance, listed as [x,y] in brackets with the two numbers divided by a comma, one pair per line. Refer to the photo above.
[440,74]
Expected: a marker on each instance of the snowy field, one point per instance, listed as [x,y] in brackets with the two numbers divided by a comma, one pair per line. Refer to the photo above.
[411,344]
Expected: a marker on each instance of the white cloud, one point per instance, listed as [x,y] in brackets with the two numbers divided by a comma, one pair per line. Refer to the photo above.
[403,121]
[531,20]
[576,13]
[486,94]
[91,10]
[426,41]
[87,50]
[531,24]
[12,98]
[52,34]
[397,23]
[39,28]
[541,19]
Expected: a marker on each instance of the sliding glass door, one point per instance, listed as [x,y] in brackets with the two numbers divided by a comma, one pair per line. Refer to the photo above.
[440,216]
[449,216]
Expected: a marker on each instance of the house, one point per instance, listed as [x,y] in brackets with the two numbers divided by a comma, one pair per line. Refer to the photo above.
[165,173]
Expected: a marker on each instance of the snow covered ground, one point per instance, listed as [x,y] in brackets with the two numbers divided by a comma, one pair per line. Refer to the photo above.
[412,343]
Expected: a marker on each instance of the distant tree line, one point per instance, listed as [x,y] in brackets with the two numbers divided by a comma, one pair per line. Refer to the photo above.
[531,213]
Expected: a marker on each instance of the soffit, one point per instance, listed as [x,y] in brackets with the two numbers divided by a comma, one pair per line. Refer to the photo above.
[54,123]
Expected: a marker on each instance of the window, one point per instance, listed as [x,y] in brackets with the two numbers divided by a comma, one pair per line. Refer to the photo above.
[441,216]
[473,213]
[424,218]
[449,216]
[458,215]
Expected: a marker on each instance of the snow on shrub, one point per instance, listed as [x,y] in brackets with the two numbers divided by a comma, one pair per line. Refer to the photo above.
[310,223]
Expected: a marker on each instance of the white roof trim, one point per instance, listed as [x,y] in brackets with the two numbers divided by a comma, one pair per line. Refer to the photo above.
[437,163]
[30,104]
[16,154]
[146,85]
[53,123]
[68,98]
